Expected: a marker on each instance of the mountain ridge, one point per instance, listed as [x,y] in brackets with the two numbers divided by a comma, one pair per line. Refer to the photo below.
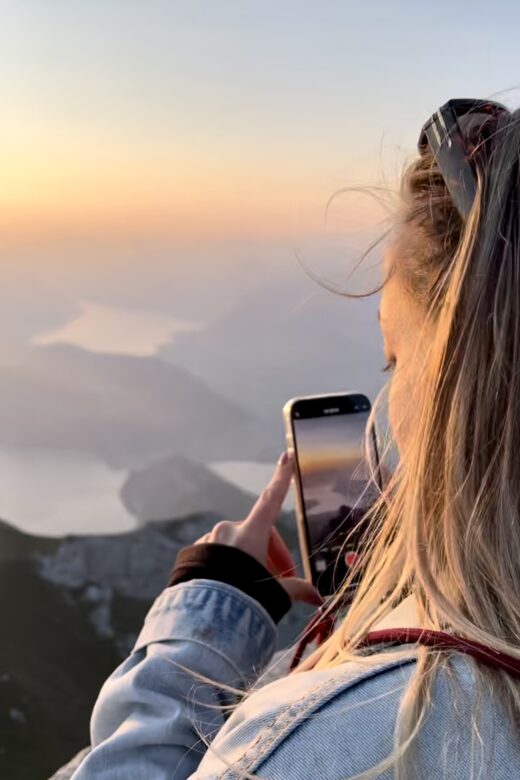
[73,607]
[124,410]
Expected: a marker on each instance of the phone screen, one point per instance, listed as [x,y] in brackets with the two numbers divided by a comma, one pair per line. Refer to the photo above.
[336,491]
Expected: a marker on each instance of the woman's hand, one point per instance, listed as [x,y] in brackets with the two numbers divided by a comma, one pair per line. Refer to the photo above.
[257,535]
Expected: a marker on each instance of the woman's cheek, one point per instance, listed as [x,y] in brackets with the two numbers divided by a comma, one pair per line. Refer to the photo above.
[393,411]
[399,408]
[404,401]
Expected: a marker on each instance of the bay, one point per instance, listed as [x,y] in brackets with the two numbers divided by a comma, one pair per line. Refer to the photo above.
[52,493]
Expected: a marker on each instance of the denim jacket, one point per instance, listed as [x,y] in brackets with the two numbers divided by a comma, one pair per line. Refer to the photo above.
[155,719]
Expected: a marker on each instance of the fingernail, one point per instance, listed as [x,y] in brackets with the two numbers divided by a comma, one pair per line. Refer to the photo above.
[284,457]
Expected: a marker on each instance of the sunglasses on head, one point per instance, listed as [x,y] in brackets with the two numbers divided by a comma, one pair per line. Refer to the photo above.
[454,134]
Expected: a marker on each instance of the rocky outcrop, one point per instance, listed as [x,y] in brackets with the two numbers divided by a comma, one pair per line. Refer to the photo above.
[72,608]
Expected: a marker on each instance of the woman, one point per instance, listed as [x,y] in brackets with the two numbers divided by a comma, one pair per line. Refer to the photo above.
[445,558]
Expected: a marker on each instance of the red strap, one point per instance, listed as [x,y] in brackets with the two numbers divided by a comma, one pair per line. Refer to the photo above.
[319,629]
[424,636]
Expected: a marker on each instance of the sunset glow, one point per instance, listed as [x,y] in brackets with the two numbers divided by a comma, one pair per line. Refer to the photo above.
[48,191]
[201,122]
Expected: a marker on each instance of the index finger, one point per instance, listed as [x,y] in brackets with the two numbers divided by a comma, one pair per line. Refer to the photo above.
[269,504]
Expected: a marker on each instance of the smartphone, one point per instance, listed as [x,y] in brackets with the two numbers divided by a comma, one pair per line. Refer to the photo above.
[328,435]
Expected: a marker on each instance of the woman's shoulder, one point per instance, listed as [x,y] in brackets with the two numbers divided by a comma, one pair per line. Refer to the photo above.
[292,713]
[339,722]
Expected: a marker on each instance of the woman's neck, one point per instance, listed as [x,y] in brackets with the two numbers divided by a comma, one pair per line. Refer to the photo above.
[405,615]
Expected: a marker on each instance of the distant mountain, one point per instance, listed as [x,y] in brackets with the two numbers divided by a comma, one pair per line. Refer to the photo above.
[71,609]
[287,337]
[124,410]
[176,485]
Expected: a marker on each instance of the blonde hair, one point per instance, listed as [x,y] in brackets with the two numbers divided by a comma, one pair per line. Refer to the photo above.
[447,525]
[451,530]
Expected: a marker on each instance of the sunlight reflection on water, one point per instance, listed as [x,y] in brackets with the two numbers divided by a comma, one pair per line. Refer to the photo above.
[111,330]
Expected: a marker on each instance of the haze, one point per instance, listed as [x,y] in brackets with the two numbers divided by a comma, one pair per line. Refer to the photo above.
[165,171]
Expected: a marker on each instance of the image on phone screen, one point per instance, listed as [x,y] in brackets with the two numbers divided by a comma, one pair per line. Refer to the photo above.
[334,476]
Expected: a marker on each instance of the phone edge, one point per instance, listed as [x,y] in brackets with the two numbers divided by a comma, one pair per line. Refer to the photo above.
[298,491]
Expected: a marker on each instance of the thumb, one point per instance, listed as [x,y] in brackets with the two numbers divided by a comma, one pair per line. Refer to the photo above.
[301,590]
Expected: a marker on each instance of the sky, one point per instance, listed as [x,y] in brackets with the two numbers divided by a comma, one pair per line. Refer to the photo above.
[321,442]
[199,120]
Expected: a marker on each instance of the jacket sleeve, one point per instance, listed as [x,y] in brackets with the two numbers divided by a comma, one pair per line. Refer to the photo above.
[154,717]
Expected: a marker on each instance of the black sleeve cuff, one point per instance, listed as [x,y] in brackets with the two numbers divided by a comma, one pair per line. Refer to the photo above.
[235,567]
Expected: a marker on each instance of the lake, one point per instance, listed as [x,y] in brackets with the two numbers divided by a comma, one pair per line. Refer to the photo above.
[113,330]
[53,493]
